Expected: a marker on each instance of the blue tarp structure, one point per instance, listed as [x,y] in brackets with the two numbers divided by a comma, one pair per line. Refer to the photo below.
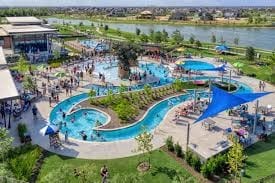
[222,48]
[222,100]
[219,69]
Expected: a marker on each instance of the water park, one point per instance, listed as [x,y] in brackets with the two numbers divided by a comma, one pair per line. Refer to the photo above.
[98,103]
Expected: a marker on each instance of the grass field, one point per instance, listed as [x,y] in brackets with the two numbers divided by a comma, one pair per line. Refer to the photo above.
[261,160]
[164,169]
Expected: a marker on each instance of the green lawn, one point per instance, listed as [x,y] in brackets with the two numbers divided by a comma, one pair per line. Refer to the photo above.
[261,160]
[164,169]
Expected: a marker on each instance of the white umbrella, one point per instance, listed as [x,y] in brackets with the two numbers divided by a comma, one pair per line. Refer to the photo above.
[49,130]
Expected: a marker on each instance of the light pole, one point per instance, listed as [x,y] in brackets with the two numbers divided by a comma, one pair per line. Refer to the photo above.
[255,117]
[229,86]
[188,135]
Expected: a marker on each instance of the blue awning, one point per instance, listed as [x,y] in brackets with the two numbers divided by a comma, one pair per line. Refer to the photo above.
[222,48]
[219,69]
[223,100]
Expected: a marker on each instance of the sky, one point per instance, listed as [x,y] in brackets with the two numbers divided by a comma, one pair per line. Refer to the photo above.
[137,2]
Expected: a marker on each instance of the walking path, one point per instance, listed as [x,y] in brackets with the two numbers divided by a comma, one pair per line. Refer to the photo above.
[202,141]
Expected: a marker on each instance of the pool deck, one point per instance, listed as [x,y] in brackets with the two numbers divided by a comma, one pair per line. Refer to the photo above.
[202,141]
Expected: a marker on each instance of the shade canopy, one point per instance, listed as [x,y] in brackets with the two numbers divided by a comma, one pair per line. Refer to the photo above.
[49,130]
[238,64]
[222,48]
[223,100]
[221,68]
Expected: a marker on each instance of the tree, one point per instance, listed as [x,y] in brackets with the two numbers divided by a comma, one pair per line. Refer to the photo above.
[236,158]
[144,38]
[5,142]
[198,43]
[213,38]
[250,20]
[250,53]
[222,40]
[177,37]
[165,35]
[22,65]
[144,142]
[127,54]
[118,32]
[92,94]
[29,84]
[192,40]
[106,27]
[236,41]
[148,90]
[138,31]
[178,85]
[157,37]
[151,34]
[56,54]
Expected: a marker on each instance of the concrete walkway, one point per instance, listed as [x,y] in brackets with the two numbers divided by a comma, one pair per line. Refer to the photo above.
[201,141]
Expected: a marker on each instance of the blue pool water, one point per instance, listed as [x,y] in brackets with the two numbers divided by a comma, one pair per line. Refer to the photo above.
[85,120]
[197,65]
[151,120]
[98,46]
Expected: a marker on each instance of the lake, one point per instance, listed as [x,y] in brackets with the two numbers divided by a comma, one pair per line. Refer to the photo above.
[263,38]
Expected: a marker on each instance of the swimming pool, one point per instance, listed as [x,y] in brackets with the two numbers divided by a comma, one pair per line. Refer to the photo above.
[97,45]
[197,65]
[84,120]
[151,120]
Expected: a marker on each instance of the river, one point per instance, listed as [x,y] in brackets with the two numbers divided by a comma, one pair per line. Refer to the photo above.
[263,38]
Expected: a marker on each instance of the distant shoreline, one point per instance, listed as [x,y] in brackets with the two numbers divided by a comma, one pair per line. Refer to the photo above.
[176,23]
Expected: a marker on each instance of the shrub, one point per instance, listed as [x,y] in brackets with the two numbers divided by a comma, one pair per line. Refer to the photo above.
[178,150]
[196,162]
[170,144]
[215,165]
[23,160]
[188,157]
[55,64]
[22,128]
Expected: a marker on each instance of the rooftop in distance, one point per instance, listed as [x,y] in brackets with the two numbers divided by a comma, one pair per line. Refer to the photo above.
[24,20]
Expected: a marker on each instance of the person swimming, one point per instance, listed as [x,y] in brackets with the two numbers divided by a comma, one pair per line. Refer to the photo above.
[83,134]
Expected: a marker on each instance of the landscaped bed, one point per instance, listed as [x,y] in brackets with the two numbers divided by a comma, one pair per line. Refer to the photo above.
[126,108]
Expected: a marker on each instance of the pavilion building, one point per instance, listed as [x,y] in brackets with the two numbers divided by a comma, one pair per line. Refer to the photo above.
[27,35]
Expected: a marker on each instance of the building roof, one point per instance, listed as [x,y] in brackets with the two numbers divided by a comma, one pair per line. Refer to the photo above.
[23,20]
[3,32]
[3,61]
[26,29]
[8,90]
[146,13]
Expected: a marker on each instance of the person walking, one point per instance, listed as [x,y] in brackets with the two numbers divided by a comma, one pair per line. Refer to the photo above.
[50,101]
[260,85]
[104,174]
[263,85]
[66,136]
[34,112]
